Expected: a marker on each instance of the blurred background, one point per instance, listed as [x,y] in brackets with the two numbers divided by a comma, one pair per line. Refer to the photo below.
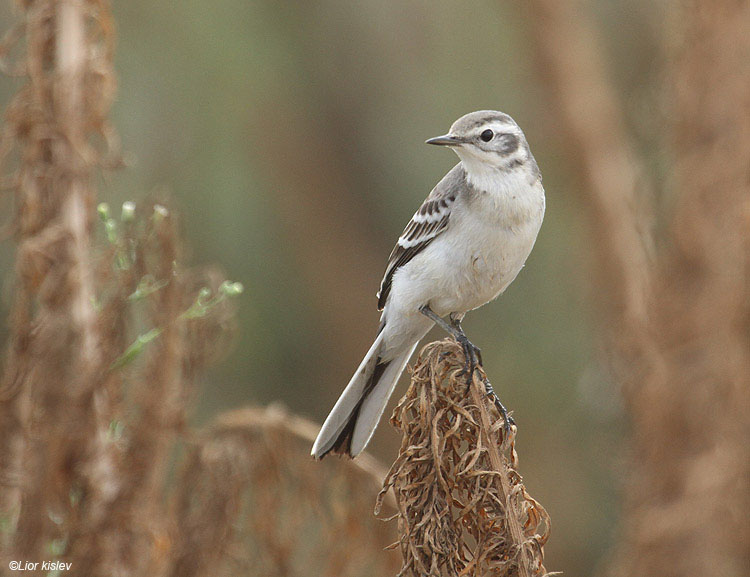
[290,137]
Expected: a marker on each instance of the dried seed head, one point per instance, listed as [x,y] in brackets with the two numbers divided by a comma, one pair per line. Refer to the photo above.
[463,508]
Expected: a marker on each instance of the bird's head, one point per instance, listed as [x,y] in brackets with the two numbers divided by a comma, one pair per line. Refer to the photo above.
[487,139]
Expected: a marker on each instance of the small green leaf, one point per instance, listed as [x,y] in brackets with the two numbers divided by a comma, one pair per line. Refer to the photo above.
[231,289]
[116,429]
[103,210]
[147,286]
[135,348]
[110,226]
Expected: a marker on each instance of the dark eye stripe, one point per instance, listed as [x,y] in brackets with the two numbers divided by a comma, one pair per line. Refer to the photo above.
[509,143]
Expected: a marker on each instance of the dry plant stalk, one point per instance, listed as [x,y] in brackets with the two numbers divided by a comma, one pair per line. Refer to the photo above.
[689,489]
[107,338]
[462,506]
[684,351]
[566,49]
[85,437]
[252,502]
[54,363]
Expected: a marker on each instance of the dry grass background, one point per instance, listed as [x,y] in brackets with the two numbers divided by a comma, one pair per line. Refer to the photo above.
[110,332]
[675,295]
[251,501]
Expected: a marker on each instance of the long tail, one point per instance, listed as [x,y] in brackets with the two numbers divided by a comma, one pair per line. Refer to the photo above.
[353,419]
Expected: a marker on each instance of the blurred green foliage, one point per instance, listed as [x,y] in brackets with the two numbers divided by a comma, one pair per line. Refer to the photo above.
[221,105]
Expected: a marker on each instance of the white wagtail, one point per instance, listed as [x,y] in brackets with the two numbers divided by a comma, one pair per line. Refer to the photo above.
[462,248]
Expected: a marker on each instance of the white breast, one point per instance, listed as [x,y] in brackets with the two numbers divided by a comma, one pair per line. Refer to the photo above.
[487,242]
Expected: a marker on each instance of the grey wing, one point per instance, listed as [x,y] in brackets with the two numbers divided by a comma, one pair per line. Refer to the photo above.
[427,223]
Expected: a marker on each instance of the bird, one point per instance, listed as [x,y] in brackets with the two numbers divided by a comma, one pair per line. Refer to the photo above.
[463,247]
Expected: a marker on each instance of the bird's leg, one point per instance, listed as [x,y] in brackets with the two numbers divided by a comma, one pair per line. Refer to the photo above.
[474,350]
[472,353]
[430,314]
[473,356]
[508,420]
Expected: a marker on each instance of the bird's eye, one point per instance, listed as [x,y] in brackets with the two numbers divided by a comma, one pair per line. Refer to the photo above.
[487,135]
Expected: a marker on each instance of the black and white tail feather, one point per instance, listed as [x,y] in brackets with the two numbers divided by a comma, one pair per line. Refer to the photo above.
[352,421]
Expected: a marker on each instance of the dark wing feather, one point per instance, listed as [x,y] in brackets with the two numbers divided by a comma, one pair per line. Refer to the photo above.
[427,223]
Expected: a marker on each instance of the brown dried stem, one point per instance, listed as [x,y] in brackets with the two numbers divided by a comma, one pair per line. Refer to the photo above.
[252,501]
[79,472]
[462,506]
[685,354]
[54,361]
[590,118]
[689,492]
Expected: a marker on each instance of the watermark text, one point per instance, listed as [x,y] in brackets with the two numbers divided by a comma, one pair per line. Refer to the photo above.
[39,566]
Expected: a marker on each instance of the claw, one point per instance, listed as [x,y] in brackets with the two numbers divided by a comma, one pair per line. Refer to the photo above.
[473,360]
[472,356]
[507,419]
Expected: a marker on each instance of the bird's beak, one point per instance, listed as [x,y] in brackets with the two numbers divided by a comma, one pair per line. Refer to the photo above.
[445,140]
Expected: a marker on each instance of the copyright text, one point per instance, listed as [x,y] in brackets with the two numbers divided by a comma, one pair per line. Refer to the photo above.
[39,566]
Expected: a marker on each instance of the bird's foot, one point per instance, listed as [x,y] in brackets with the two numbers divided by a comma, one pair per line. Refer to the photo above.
[507,419]
[473,356]
[472,353]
